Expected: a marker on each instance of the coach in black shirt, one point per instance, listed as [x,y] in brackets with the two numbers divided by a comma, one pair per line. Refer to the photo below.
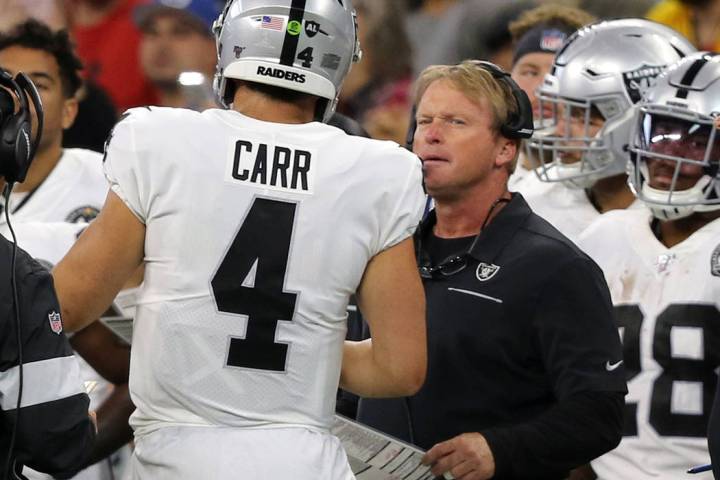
[525,377]
[44,420]
[53,430]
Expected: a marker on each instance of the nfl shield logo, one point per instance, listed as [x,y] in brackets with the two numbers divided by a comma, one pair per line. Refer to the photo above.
[55,322]
[486,271]
[552,40]
[715,262]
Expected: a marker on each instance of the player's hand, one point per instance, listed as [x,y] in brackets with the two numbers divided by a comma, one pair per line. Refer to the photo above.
[466,457]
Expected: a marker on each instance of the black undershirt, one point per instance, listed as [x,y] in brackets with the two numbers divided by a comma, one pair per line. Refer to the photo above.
[441,249]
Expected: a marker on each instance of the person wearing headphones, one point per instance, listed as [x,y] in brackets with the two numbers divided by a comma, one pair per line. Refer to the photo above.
[44,421]
[525,376]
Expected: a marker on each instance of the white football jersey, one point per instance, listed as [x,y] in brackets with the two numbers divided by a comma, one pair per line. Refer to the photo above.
[667,303]
[256,235]
[74,191]
[567,209]
[46,242]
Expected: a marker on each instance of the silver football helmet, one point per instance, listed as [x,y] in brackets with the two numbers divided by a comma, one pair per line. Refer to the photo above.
[307,46]
[585,101]
[675,149]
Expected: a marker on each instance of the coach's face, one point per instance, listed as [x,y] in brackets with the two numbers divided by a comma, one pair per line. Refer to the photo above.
[42,68]
[456,141]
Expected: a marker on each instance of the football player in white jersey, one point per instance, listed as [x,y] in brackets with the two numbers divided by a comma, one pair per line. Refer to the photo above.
[62,185]
[256,224]
[598,75]
[663,270]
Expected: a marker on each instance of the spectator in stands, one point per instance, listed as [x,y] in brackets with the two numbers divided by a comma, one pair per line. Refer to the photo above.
[608,9]
[376,92]
[178,40]
[697,20]
[433,29]
[96,113]
[485,31]
[537,35]
[108,43]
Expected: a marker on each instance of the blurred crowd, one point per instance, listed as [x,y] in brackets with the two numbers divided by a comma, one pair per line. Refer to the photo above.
[134,51]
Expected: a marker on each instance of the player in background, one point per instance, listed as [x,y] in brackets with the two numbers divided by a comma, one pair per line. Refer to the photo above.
[256,224]
[62,185]
[538,34]
[599,74]
[663,270]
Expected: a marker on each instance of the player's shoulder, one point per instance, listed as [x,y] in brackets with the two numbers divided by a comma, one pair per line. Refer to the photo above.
[48,242]
[385,155]
[546,241]
[551,254]
[382,157]
[151,120]
[617,223]
[83,160]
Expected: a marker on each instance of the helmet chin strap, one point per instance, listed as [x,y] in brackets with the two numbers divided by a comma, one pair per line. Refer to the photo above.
[684,202]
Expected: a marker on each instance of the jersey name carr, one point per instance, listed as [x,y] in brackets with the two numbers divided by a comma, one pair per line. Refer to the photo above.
[272,166]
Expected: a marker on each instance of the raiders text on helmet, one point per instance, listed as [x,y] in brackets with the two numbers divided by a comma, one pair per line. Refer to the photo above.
[302,45]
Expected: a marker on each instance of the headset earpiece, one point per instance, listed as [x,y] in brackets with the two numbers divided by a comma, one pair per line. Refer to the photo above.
[16,149]
[518,125]
[412,126]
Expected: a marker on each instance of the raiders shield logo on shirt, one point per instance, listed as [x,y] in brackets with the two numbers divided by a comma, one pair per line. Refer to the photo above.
[486,271]
[715,262]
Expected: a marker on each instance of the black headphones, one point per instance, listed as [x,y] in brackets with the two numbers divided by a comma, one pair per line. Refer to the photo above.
[16,150]
[518,125]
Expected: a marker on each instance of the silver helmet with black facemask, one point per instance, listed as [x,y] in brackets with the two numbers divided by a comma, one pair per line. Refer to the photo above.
[303,45]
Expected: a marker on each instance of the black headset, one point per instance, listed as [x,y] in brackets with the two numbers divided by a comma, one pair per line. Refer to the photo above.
[16,149]
[518,124]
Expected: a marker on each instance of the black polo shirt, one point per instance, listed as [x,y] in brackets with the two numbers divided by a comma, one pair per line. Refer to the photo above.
[527,323]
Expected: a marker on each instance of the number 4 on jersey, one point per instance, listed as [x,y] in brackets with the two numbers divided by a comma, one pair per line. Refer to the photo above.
[263,239]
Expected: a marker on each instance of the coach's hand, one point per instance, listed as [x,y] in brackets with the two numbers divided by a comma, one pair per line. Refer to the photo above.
[466,457]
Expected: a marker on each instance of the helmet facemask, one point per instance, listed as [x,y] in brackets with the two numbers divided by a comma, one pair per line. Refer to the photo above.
[574,139]
[675,160]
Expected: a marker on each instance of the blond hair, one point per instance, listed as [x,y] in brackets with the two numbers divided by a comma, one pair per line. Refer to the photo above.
[476,82]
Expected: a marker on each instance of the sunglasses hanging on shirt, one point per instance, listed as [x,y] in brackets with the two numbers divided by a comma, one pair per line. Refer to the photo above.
[457,263]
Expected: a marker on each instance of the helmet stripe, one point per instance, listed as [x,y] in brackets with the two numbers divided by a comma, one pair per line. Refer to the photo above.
[290,44]
[689,77]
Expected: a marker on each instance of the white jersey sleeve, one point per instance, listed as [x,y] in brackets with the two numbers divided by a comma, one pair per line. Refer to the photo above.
[124,158]
[405,215]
